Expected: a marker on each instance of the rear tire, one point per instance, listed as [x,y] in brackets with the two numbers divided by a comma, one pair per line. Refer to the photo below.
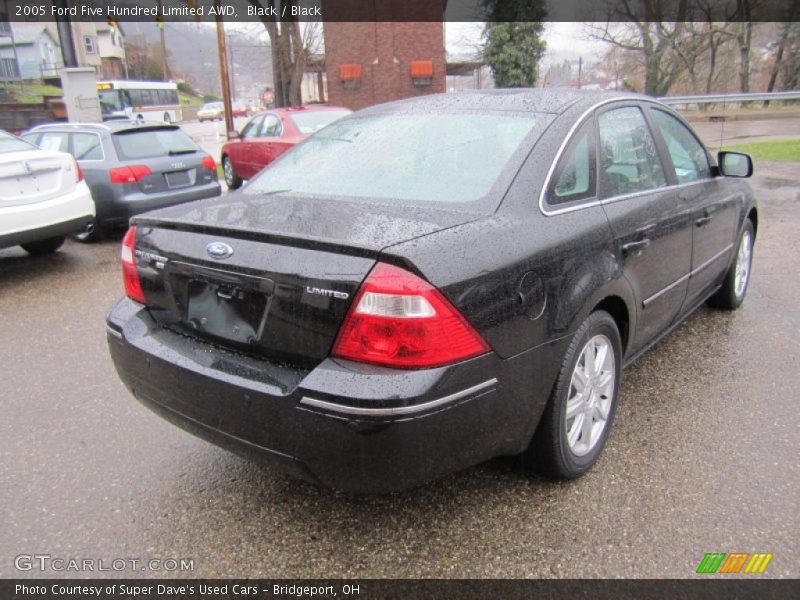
[232,180]
[580,413]
[734,287]
[47,246]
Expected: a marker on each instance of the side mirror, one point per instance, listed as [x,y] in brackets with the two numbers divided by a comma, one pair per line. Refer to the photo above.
[735,164]
[233,135]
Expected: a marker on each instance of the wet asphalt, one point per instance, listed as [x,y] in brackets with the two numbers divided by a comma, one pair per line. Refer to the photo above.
[704,455]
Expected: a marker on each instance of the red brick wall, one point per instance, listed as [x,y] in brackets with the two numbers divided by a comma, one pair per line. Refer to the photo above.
[385,51]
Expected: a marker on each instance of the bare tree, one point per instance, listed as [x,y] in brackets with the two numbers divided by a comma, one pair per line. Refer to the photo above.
[657,37]
[289,53]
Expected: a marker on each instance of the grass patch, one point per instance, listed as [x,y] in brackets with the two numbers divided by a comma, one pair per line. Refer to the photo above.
[189,100]
[788,150]
[32,93]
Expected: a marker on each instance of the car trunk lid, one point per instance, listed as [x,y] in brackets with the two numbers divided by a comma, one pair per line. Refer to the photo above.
[35,176]
[268,276]
[159,159]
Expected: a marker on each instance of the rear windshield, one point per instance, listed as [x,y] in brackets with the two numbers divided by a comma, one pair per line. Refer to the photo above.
[9,143]
[146,143]
[433,157]
[312,121]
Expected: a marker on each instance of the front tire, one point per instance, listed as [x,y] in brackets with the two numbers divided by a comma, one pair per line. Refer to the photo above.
[232,180]
[47,246]
[167,119]
[580,413]
[734,287]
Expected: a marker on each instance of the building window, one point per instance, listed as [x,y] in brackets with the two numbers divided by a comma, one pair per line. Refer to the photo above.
[9,68]
[421,72]
[88,43]
[350,76]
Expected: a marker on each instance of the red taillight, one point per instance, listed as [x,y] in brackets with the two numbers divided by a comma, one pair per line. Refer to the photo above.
[209,163]
[399,320]
[131,174]
[78,172]
[130,274]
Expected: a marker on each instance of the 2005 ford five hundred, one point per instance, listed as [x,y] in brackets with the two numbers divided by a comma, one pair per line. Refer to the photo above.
[427,284]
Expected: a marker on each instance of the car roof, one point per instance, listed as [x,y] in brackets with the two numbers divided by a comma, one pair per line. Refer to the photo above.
[540,100]
[294,110]
[113,126]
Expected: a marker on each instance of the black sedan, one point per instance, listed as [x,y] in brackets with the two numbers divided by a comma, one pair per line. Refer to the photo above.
[428,284]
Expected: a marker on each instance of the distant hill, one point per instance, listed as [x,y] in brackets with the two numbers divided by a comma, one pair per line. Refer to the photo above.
[192,51]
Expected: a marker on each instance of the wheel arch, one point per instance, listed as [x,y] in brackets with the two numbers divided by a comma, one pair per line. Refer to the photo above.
[752,216]
[618,309]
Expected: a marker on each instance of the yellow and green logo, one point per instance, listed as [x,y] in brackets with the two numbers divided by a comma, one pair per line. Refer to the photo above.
[735,562]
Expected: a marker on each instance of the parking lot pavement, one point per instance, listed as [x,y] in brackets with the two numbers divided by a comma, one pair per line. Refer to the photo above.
[703,457]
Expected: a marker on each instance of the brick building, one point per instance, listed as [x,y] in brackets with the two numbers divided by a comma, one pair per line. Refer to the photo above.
[378,61]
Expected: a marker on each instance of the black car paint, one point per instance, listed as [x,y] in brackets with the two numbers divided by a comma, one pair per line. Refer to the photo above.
[525,280]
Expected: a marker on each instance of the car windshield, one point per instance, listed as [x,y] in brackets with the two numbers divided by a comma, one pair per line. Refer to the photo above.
[146,143]
[431,157]
[110,101]
[313,120]
[9,143]
[212,106]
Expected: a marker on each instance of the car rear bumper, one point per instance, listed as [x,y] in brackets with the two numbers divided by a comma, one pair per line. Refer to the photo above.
[358,428]
[62,215]
[128,205]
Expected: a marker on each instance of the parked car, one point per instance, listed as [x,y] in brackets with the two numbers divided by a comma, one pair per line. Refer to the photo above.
[132,167]
[434,282]
[239,109]
[43,197]
[268,135]
[211,111]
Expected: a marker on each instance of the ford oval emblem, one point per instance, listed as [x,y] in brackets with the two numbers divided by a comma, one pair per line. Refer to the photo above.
[219,250]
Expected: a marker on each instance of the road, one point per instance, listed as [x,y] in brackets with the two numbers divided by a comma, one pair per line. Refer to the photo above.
[704,455]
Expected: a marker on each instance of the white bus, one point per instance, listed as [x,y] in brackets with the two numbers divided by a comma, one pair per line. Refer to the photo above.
[140,100]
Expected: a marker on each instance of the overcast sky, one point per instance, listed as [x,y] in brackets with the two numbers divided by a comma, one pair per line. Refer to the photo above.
[564,41]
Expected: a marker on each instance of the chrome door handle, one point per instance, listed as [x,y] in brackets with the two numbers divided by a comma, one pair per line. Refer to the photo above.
[703,221]
[636,247]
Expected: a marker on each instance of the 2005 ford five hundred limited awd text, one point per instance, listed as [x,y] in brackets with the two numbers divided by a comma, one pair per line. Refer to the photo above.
[427,284]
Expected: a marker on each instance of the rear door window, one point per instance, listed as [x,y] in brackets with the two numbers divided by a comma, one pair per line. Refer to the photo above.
[86,146]
[629,161]
[574,177]
[54,141]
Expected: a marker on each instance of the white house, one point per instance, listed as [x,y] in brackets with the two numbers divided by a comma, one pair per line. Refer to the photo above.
[37,52]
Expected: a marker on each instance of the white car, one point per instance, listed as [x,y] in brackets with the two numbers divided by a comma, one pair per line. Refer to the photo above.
[43,197]
[211,111]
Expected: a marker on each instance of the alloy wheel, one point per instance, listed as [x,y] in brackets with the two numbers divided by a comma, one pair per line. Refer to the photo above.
[742,269]
[591,394]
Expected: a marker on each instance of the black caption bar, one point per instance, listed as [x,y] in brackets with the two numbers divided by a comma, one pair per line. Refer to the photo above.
[403,10]
[367,589]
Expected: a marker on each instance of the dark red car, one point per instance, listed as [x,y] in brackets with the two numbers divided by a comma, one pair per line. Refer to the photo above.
[270,134]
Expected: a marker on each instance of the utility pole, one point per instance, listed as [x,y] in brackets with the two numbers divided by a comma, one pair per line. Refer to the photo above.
[223,72]
[580,70]
[161,25]
[232,75]
[65,35]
